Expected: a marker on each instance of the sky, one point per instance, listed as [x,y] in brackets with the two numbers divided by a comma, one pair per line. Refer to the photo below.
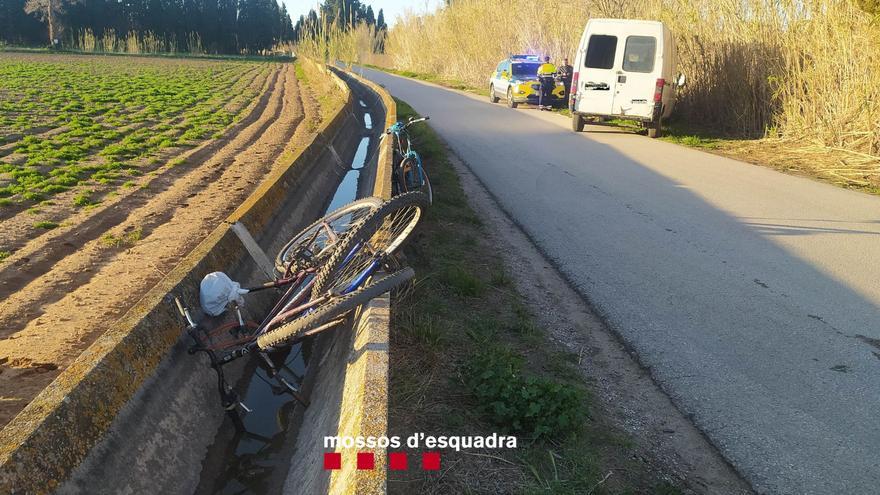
[392,8]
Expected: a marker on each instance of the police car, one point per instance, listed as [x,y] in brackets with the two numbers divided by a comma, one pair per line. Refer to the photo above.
[516,80]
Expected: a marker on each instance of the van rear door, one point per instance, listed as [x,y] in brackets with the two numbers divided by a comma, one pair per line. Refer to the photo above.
[597,77]
[637,79]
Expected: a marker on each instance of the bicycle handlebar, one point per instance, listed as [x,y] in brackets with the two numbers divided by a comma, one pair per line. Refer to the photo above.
[184,311]
[401,126]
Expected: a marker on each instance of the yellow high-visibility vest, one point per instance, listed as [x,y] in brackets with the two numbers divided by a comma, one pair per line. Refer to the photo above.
[546,69]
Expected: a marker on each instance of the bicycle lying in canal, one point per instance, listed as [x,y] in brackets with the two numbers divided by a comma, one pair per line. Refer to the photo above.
[408,173]
[327,270]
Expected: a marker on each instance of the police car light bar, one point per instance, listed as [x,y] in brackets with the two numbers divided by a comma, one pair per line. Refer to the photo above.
[524,57]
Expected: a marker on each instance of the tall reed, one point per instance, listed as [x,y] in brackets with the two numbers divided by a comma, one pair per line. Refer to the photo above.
[330,42]
[802,70]
[134,42]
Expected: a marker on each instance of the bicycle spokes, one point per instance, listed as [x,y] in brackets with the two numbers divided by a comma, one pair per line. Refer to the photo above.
[358,265]
[368,254]
[312,245]
[395,229]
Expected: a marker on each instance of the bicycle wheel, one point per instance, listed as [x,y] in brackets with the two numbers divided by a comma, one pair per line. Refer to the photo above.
[308,324]
[427,189]
[379,234]
[316,239]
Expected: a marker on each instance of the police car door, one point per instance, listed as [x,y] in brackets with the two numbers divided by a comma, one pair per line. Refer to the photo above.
[503,79]
[597,77]
[497,82]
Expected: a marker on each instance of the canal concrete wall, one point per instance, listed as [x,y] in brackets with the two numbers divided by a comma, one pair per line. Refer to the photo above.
[350,395]
[135,413]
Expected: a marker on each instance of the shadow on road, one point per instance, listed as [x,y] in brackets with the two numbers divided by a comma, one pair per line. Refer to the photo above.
[756,343]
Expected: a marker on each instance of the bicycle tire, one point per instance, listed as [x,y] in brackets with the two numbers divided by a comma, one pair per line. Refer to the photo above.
[385,230]
[282,259]
[298,329]
[425,187]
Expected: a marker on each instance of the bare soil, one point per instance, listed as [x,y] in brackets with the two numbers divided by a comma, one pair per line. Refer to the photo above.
[62,289]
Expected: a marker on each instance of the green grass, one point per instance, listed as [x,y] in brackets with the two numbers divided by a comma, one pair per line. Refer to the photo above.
[468,357]
[299,72]
[4,255]
[181,56]
[47,225]
[126,239]
[83,199]
[695,138]
[693,141]
[108,115]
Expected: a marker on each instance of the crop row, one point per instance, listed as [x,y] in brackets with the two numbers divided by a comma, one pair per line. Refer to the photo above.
[92,119]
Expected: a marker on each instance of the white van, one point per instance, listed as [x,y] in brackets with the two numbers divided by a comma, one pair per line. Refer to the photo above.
[624,69]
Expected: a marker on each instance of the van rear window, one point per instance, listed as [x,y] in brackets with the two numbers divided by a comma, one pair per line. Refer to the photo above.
[600,51]
[639,53]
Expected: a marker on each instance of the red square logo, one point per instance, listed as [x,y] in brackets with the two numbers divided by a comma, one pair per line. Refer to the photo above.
[397,461]
[431,461]
[332,460]
[366,460]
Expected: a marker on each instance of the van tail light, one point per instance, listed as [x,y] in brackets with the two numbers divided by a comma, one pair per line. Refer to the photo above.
[658,90]
[572,92]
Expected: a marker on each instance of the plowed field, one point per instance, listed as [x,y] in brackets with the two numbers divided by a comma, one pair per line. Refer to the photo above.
[111,170]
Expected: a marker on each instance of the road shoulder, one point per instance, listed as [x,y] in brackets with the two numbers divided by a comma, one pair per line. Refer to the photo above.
[664,437]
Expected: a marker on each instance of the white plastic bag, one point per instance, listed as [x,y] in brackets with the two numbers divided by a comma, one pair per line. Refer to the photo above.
[217,290]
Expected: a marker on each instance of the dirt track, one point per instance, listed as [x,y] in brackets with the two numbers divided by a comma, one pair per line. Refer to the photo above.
[61,290]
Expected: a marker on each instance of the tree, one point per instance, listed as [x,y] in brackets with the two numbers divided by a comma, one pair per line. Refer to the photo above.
[381,32]
[50,11]
[286,25]
[227,35]
[380,22]
[16,26]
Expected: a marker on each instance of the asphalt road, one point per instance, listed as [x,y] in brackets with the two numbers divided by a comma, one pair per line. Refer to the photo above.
[751,295]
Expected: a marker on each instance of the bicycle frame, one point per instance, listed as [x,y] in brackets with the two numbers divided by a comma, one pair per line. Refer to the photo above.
[400,132]
[297,300]
[306,253]
[418,160]
[286,307]
[404,144]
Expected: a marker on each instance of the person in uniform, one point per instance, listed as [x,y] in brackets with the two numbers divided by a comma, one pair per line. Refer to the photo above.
[546,78]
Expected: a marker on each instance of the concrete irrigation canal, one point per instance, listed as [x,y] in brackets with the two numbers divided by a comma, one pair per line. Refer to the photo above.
[138,414]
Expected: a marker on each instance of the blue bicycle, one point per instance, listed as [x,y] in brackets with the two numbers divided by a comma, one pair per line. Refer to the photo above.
[408,174]
[329,269]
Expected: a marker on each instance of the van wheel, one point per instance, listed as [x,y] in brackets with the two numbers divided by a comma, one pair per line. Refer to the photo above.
[492,97]
[654,129]
[577,123]
[510,102]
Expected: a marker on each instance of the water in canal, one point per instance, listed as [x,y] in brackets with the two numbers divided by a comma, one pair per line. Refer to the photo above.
[255,460]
